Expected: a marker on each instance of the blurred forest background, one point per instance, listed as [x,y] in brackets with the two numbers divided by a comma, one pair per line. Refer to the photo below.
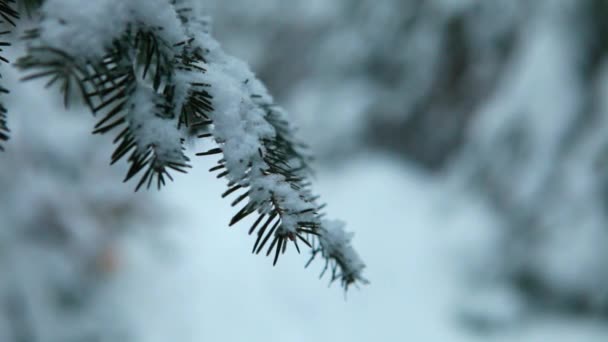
[465,142]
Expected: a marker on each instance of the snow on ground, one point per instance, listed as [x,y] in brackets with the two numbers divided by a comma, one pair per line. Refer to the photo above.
[208,287]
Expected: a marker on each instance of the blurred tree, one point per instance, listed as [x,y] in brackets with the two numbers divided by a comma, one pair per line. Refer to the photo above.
[64,216]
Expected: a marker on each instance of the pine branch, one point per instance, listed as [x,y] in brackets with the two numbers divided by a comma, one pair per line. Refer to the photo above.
[29,7]
[4,130]
[160,84]
[124,88]
[267,172]
[283,221]
[335,247]
[9,15]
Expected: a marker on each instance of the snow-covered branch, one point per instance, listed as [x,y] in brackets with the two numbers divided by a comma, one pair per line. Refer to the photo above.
[9,15]
[152,68]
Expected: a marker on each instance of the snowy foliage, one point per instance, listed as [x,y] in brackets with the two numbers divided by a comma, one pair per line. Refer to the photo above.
[151,71]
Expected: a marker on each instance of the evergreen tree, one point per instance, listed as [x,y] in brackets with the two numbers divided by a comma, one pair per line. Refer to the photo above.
[155,77]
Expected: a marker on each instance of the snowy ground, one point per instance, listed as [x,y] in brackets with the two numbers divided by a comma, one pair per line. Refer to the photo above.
[208,287]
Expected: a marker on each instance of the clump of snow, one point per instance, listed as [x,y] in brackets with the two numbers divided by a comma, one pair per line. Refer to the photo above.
[335,244]
[87,31]
[151,130]
[239,124]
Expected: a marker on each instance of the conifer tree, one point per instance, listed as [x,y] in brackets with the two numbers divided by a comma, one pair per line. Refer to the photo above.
[154,77]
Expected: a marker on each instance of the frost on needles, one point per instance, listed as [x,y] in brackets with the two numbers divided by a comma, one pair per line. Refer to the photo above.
[152,73]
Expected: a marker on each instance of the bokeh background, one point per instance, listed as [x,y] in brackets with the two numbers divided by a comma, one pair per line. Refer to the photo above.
[464,142]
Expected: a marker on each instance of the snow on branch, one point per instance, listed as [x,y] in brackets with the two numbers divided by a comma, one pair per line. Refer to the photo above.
[266,165]
[87,31]
[136,71]
[152,68]
[335,247]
